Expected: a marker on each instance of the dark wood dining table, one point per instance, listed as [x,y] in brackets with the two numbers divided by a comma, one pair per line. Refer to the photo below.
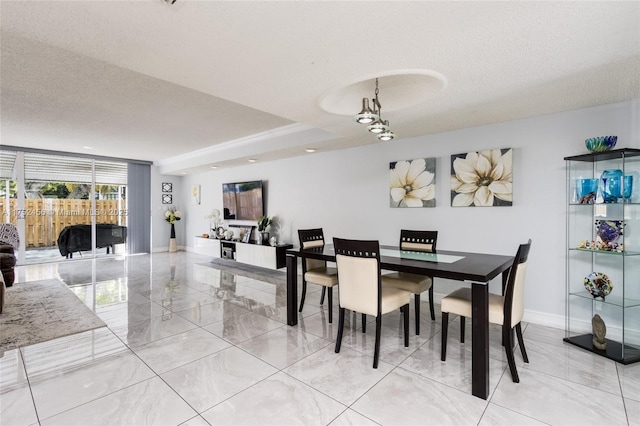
[478,269]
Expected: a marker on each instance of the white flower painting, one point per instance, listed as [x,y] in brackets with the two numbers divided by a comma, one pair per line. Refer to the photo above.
[412,183]
[482,179]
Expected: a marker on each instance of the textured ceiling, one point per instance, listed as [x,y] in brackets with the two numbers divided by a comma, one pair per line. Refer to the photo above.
[200,83]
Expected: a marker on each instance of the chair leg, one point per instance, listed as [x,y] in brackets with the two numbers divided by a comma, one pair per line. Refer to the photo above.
[445,329]
[330,304]
[376,352]
[508,347]
[462,329]
[340,329]
[521,343]
[416,300]
[364,323]
[304,294]
[324,290]
[431,308]
[405,311]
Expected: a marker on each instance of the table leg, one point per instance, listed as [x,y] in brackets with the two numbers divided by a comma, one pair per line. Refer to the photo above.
[480,340]
[292,290]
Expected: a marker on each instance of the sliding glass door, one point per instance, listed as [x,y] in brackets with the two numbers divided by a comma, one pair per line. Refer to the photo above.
[65,206]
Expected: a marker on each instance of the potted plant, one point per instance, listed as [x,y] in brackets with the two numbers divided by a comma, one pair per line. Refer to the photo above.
[263,223]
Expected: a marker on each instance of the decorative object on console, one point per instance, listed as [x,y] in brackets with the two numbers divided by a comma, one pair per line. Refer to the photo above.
[263,223]
[374,118]
[214,219]
[601,143]
[482,178]
[598,284]
[172,215]
[599,332]
[586,190]
[412,183]
[228,234]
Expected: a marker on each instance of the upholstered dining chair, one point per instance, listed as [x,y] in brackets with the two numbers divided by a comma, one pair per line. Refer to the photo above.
[506,310]
[316,271]
[361,288]
[417,284]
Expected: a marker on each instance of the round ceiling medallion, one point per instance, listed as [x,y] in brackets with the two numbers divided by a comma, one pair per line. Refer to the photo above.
[397,90]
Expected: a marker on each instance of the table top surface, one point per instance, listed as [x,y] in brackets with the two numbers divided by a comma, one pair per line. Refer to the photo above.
[456,265]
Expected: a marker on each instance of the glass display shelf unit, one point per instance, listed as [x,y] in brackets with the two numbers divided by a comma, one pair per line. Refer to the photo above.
[611,182]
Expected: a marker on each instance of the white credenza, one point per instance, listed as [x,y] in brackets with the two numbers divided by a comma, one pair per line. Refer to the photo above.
[270,257]
[206,246]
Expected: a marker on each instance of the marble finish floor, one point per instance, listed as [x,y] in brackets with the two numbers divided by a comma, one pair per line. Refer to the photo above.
[190,344]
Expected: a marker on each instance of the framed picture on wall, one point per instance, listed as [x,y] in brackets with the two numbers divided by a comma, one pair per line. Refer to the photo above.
[195,192]
[482,178]
[167,187]
[167,199]
[412,183]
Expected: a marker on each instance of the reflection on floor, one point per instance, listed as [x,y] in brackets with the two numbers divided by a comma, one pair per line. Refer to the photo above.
[190,342]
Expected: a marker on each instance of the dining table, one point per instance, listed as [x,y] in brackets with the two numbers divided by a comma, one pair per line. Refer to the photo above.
[477,269]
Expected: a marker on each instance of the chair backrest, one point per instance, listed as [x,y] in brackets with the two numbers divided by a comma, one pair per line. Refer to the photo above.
[418,240]
[310,238]
[514,291]
[359,275]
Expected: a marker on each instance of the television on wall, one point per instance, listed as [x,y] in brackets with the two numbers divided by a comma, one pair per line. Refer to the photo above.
[242,200]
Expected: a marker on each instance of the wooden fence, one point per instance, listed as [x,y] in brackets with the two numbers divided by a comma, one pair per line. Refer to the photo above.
[45,218]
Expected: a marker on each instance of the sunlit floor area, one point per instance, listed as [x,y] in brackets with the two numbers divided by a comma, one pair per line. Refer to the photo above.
[192,342]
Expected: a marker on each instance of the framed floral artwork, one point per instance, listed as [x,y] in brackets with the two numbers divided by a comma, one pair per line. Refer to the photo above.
[195,192]
[412,183]
[482,178]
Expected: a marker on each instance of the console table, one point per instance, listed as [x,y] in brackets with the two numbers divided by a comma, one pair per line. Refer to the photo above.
[264,256]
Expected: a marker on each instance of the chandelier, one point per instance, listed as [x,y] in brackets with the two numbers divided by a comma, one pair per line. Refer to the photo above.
[373,118]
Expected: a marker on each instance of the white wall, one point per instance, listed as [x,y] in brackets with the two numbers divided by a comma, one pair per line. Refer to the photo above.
[346,193]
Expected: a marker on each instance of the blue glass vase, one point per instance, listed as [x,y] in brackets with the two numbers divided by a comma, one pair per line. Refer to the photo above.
[611,185]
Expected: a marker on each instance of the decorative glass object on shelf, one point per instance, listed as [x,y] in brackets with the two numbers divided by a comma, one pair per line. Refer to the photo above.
[587,190]
[601,143]
[615,185]
[598,284]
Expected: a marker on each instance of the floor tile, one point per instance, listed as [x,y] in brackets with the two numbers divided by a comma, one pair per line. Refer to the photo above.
[328,372]
[143,332]
[171,352]
[85,382]
[496,415]
[214,378]
[404,398]
[284,346]
[239,328]
[16,405]
[278,400]
[629,376]
[350,418]
[633,411]
[552,400]
[151,402]
[212,312]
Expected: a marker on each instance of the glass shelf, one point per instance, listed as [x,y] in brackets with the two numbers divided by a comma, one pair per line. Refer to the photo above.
[607,252]
[612,299]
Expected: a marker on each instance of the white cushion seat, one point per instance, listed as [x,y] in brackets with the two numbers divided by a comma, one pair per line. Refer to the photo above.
[409,282]
[393,298]
[325,276]
[459,303]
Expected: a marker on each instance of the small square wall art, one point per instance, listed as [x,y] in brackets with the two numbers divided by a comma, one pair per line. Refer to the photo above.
[412,183]
[482,178]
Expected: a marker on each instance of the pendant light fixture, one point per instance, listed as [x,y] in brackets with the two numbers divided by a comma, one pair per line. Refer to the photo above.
[373,118]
